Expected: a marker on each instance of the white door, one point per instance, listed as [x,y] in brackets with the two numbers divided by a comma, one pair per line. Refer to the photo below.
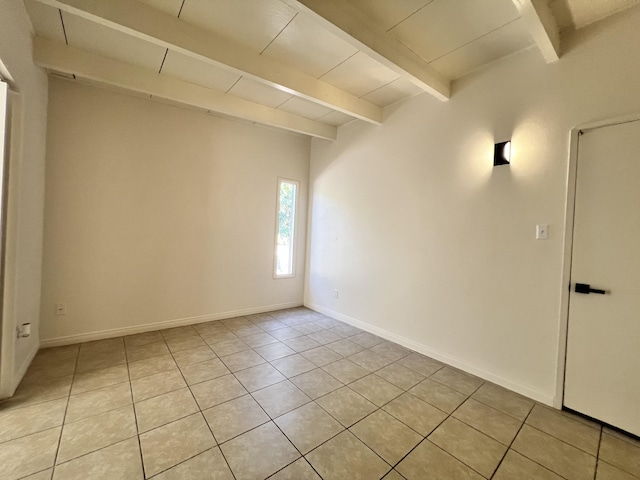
[602,378]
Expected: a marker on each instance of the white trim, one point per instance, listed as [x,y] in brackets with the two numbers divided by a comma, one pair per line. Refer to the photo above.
[294,236]
[563,325]
[426,350]
[148,327]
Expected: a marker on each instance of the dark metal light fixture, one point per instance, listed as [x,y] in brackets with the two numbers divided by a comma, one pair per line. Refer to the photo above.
[502,153]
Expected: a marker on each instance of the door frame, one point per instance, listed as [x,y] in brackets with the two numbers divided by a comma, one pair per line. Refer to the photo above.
[572,180]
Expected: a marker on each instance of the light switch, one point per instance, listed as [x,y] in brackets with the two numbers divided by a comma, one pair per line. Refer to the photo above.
[542,232]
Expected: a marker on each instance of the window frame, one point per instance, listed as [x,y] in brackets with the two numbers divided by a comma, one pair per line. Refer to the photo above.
[294,236]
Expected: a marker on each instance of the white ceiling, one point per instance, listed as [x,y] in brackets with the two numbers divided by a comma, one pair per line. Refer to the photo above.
[342,74]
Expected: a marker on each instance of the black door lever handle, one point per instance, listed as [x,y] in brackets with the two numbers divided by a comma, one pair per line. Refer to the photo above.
[586,288]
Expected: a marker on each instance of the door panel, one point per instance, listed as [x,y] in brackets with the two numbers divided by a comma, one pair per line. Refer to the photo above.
[602,377]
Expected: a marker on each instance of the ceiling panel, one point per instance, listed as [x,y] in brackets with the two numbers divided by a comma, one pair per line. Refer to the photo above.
[499,43]
[336,119]
[249,22]
[45,20]
[388,13]
[307,46]
[360,75]
[259,93]
[586,12]
[445,25]
[110,43]
[198,72]
[113,88]
[393,92]
[179,105]
[171,7]
[304,108]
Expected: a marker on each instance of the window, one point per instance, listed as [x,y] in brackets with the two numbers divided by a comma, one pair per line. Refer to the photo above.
[285,228]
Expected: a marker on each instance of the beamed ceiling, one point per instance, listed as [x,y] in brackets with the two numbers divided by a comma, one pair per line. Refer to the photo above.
[307,66]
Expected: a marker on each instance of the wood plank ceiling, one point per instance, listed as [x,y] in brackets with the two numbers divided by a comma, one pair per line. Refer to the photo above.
[307,66]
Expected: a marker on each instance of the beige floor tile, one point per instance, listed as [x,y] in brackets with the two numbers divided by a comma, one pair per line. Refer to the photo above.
[153,385]
[229,347]
[293,365]
[298,470]
[193,355]
[280,398]
[316,383]
[157,411]
[346,406]
[44,475]
[614,433]
[345,347]
[345,330]
[151,366]
[301,344]
[200,372]
[84,382]
[557,456]
[438,395]
[185,343]
[388,437]
[370,361]
[47,370]
[55,354]
[216,391]
[429,461]
[457,380]
[376,389]
[143,339]
[271,325]
[212,338]
[391,350]
[620,453]
[39,391]
[421,364]
[415,413]
[324,336]
[321,356]
[366,339]
[30,454]
[246,331]
[143,352]
[400,376]
[308,328]
[285,333]
[258,377]
[259,339]
[345,370]
[565,428]
[393,475]
[96,432]
[274,351]
[175,442]
[20,422]
[609,472]
[344,456]
[468,445]
[212,462]
[117,462]
[504,400]
[259,452]
[177,332]
[488,420]
[308,426]
[235,417]
[98,401]
[515,466]
[241,360]
[95,361]
[106,345]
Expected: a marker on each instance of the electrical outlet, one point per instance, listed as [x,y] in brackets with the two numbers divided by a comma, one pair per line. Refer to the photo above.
[335,293]
[61,308]
[542,232]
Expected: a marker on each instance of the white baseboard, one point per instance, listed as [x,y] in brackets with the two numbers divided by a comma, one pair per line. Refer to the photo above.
[148,327]
[428,351]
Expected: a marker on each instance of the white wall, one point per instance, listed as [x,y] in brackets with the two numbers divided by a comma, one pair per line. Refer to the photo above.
[26,185]
[429,244]
[156,213]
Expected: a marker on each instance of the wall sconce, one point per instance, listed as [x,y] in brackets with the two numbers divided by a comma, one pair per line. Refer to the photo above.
[502,153]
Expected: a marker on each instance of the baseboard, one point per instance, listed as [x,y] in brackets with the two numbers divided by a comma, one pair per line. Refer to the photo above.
[149,327]
[428,351]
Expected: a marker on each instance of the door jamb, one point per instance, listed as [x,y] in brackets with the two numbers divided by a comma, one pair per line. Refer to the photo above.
[572,179]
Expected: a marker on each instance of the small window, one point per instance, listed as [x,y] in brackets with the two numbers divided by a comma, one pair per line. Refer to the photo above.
[285,228]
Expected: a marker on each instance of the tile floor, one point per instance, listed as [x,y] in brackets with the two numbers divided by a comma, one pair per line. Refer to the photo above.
[285,395]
